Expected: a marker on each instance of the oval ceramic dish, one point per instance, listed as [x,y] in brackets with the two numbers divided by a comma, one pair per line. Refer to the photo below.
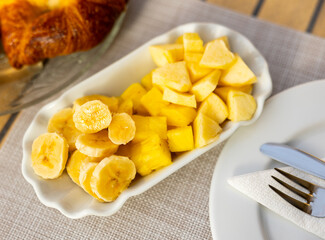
[70,199]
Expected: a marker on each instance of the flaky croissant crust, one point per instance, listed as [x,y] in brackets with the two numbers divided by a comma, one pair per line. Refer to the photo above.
[30,33]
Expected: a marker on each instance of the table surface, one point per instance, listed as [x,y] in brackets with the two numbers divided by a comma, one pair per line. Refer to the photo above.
[178,207]
[301,15]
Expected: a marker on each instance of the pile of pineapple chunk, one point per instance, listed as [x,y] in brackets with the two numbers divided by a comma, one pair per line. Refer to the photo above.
[104,141]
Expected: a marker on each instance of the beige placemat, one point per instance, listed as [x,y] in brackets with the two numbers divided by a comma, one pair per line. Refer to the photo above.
[176,208]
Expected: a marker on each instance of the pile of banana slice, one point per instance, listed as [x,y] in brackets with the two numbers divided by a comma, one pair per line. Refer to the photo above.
[91,135]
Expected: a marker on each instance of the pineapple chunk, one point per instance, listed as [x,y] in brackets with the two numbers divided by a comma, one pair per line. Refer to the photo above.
[225,40]
[196,71]
[167,53]
[238,74]
[184,99]
[146,81]
[178,116]
[153,101]
[222,92]
[214,108]
[146,126]
[192,42]
[174,76]
[206,130]
[193,57]
[135,92]
[193,65]
[217,55]
[150,154]
[242,106]
[179,40]
[180,139]
[126,106]
[202,88]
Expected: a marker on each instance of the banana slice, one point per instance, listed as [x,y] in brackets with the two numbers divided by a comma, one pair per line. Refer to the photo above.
[96,144]
[49,155]
[111,102]
[122,128]
[92,117]
[112,176]
[75,162]
[62,123]
[86,172]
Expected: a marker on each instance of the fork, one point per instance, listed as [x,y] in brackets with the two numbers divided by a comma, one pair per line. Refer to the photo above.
[315,199]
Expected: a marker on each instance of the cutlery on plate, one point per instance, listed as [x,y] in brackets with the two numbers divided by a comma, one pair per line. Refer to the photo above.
[315,199]
[295,158]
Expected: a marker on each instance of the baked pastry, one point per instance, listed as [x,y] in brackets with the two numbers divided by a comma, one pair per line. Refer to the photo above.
[33,30]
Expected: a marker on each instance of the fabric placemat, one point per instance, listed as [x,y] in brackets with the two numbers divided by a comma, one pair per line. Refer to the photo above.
[176,208]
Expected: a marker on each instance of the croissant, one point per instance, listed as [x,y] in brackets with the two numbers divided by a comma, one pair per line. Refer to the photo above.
[34,30]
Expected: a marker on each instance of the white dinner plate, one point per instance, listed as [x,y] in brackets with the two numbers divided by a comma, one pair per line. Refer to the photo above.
[295,116]
[70,199]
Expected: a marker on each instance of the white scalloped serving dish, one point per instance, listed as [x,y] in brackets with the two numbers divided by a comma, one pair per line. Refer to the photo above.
[70,199]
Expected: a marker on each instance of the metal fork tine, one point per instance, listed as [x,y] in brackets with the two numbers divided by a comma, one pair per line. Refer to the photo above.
[297,180]
[302,194]
[300,205]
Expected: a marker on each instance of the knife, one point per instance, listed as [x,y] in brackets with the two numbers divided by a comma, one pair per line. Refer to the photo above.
[295,158]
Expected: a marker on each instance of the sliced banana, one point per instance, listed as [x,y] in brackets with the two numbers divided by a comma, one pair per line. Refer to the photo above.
[49,155]
[62,123]
[122,128]
[86,173]
[111,102]
[92,117]
[75,162]
[96,144]
[112,176]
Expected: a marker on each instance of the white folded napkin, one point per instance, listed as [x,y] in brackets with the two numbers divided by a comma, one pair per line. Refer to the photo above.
[255,185]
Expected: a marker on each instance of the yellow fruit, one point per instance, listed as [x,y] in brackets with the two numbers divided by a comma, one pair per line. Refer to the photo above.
[222,92]
[215,108]
[242,106]
[146,81]
[167,53]
[75,162]
[86,173]
[174,76]
[225,40]
[153,101]
[49,155]
[179,40]
[62,123]
[111,102]
[184,99]
[206,130]
[146,126]
[135,92]
[217,55]
[202,88]
[192,42]
[196,71]
[193,57]
[122,128]
[177,115]
[238,74]
[92,117]
[96,144]
[126,106]
[112,176]
[180,139]
[150,154]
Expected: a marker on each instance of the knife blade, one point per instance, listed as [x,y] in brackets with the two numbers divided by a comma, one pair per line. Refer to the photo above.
[295,158]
